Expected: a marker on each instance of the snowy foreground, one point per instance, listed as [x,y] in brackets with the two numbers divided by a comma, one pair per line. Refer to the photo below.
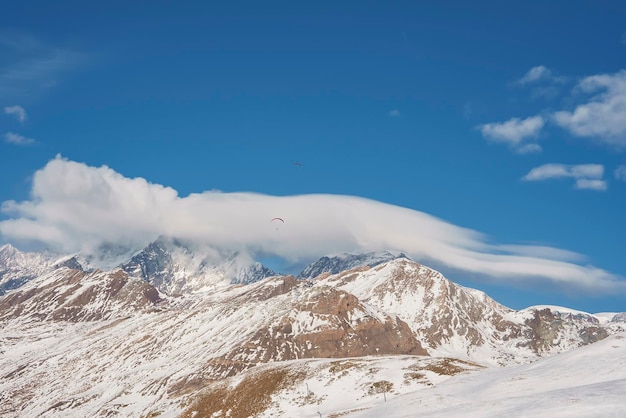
[586,382]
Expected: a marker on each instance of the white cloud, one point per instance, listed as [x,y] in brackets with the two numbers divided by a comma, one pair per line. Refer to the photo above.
[394,113]
[620,173]
[587,176]
[515,132]
[13,138]
[602,117]
[17,111]
[77,207]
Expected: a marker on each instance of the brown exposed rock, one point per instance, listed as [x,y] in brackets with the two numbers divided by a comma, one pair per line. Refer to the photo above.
[347,331]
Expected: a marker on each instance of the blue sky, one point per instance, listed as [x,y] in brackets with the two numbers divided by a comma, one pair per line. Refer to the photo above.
[504,118]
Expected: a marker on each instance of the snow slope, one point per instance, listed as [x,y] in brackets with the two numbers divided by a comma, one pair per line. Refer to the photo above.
[589,381]
[326,387]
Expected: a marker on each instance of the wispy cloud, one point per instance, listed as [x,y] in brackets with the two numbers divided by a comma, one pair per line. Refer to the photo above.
[531,148]
[540,73]
[13,138]
[590,184]
[535,74]
[17,111]
[517,133]
[30,66]
[587,176]
[394,113]
[620,173]
[603,117]
[76,207]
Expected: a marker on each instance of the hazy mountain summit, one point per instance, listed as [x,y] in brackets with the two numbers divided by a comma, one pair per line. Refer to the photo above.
[337,263]
[18,267]
[174,266]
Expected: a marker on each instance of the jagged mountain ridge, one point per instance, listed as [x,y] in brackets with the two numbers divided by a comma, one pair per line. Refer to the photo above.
[173,266]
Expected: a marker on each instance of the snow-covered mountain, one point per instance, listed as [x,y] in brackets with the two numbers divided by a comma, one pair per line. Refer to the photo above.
[79,344]
[174,267]
[167,334]
[451,320]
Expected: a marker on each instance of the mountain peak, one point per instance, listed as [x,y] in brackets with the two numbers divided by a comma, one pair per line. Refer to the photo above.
[7,249]
[175,266]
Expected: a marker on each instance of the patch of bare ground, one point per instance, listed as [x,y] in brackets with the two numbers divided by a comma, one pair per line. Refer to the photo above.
[250,397]
[382,386]
[153,414]
[416,377]
[449,366]
[342,366]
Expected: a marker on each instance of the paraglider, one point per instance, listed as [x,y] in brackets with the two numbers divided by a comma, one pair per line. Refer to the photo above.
[277,220]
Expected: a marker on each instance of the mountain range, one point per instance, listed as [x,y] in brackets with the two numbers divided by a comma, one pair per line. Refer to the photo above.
[177,329]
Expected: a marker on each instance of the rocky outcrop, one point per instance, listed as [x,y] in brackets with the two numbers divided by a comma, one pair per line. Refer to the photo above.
[328,323]
[546,330]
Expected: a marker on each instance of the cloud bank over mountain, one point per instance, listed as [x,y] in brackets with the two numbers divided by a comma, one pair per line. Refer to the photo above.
[75,207]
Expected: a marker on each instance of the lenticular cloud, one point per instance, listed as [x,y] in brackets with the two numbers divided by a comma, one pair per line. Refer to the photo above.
[75,207]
